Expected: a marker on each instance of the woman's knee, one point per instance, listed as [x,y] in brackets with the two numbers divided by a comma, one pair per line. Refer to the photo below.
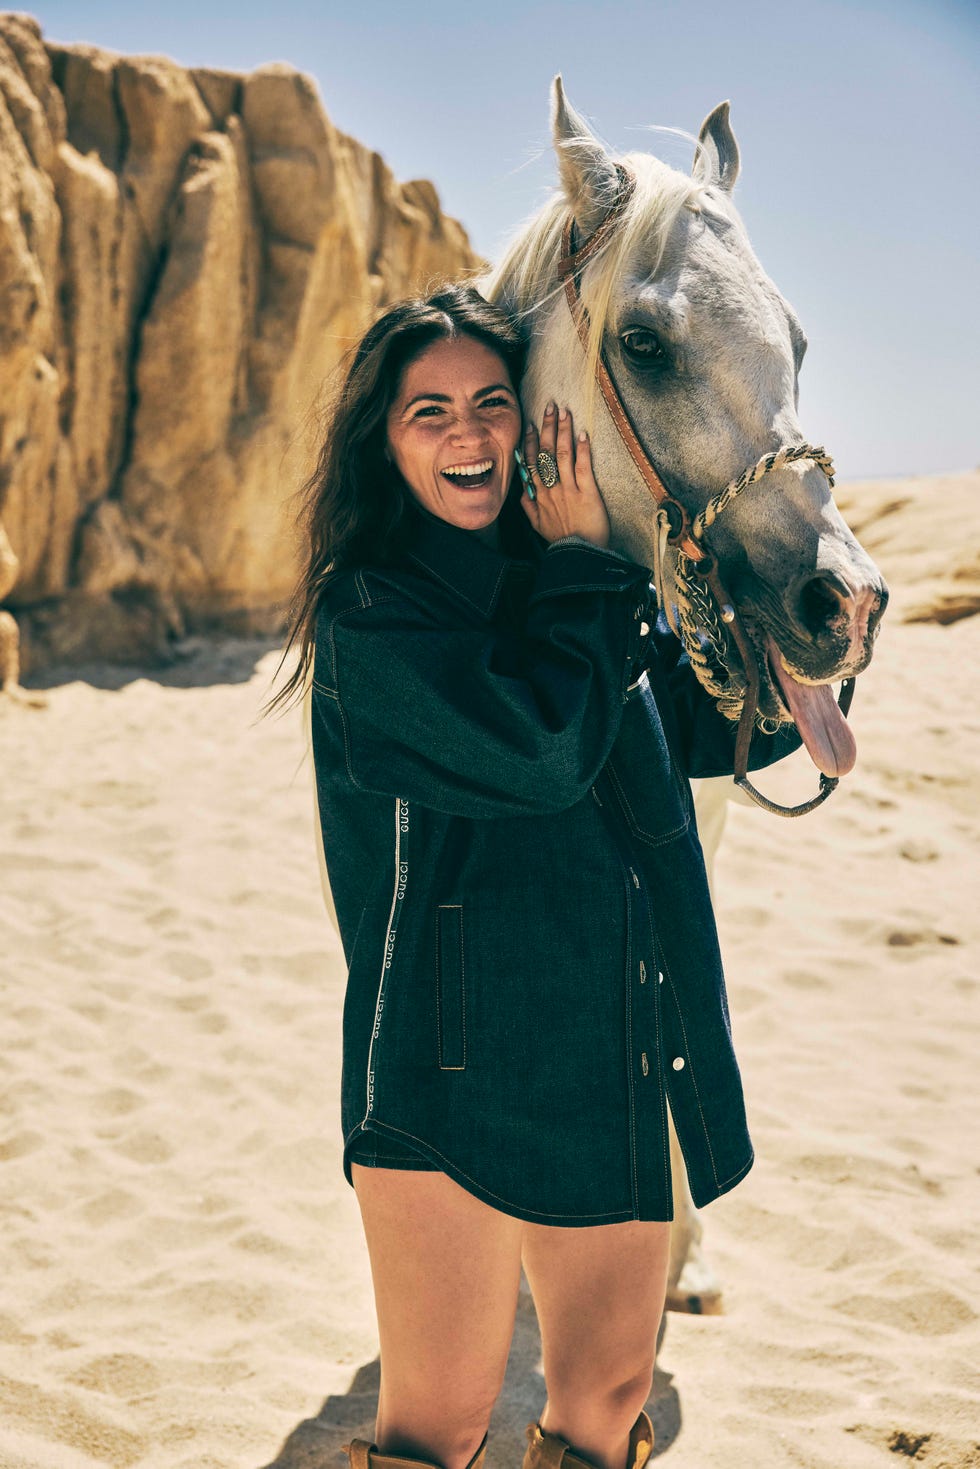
[628,1396]
[584,1389]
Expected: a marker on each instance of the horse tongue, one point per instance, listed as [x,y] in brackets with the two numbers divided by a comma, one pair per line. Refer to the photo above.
[823,728]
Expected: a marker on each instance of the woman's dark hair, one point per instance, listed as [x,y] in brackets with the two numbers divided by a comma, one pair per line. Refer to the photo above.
[353,506]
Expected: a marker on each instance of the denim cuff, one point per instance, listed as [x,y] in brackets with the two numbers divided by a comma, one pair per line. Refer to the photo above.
[573,564]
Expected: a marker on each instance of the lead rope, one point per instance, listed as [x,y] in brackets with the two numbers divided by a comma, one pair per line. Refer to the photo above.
[695,621]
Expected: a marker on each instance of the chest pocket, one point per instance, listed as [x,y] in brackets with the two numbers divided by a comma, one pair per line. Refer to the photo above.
[651,790]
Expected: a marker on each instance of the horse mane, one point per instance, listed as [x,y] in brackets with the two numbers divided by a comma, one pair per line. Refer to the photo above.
[526,279]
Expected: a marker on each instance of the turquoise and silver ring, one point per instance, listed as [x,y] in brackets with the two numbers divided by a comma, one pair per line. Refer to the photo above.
[525,471]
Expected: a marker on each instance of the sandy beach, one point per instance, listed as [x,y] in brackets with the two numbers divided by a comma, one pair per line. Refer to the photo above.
[185,1284]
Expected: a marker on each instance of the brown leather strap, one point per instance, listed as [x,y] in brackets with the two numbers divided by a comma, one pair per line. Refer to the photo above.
[364,1455]
[546,1450]
[359,1452]
[571,260]
[750,667]
[569,266]
[746,723]
[550,1451]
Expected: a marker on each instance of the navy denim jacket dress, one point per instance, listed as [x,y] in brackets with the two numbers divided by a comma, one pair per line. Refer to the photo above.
[501,753]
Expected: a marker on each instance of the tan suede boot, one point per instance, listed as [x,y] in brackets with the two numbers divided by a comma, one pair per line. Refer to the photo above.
[364,1455]
[548,1451]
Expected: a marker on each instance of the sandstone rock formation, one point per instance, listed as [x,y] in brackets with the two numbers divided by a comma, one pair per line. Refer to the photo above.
[184,257]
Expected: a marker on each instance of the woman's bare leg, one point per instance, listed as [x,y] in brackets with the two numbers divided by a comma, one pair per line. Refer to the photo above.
[599,1295]
[446,1271]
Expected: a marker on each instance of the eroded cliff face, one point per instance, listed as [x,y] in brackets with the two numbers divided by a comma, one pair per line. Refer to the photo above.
[184,257]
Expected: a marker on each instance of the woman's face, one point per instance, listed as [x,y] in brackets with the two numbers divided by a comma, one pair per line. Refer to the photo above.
[453,429]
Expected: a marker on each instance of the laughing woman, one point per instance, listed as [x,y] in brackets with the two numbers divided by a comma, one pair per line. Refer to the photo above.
[502,738]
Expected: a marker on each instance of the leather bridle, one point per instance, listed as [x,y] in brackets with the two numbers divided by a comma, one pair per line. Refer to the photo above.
[681,531]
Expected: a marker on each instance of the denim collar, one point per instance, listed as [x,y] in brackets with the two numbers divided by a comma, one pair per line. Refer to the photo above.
[467,566]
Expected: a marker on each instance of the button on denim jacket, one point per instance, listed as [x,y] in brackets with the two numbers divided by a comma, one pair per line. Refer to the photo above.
[502,743]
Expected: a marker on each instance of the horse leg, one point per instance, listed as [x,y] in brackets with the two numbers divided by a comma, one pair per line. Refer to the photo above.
[692,1285]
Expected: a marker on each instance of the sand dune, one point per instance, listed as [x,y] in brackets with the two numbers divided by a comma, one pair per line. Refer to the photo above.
[184,1281]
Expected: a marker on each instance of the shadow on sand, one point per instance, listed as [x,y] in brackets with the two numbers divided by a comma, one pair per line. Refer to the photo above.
[194,662]
[316,1442]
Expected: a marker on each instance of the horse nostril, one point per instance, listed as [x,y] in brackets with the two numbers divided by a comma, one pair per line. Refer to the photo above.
[880,605]
[822,600]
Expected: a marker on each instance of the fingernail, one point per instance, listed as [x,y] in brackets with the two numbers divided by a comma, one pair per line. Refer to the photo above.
[548,412]
[563,414]
[582,437]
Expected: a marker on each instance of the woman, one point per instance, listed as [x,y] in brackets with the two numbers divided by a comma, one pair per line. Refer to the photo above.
[502,746]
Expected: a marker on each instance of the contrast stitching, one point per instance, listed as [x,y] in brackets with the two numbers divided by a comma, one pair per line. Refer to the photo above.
[690,1068]
[644,836]
[457,591]
[739,1173]
[354,607]
[347,750]
[629,1042]
[496,586]
[613,1214]
[335,694]
[658,1033]
[384,960]
[587,586]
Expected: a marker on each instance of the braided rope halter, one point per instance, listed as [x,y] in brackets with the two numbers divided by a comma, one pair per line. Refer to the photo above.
[701,598]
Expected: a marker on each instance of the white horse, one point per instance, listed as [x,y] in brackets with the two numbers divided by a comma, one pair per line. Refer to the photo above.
[702,353]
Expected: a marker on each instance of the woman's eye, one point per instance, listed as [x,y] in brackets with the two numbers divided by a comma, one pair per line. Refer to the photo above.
[500,402]
[427,411]
[643,347]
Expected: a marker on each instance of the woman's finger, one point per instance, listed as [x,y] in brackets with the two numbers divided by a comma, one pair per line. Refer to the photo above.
[549,428]
[565,450]
[584,472]
[530,443]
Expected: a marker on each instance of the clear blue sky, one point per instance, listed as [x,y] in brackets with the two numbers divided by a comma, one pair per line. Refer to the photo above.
[858,125]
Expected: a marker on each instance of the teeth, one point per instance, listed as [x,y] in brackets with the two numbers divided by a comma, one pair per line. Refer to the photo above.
[469,469]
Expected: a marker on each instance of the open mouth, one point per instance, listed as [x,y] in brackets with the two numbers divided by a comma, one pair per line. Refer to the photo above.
[469,476]
[813,709]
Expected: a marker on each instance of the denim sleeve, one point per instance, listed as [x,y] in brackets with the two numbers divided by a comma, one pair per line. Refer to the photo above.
[706,739]
[476,721]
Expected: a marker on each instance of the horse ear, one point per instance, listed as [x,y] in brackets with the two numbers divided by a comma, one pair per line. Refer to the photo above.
[588,177]
[716,160]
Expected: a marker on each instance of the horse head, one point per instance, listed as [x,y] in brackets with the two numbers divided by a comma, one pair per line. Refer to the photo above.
[704,354]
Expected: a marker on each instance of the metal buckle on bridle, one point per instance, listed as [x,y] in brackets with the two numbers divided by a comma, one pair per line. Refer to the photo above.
[684,532]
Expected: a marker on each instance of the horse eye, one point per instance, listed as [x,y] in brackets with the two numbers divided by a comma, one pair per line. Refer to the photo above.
[643,347]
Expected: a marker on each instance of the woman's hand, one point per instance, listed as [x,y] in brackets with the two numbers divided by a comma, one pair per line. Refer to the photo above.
[573,506]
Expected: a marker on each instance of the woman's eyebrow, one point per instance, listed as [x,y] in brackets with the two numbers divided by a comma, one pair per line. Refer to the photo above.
[445,398]
[494,388]
[427,397]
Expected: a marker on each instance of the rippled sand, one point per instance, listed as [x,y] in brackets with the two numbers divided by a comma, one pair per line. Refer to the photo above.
[184,1280]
